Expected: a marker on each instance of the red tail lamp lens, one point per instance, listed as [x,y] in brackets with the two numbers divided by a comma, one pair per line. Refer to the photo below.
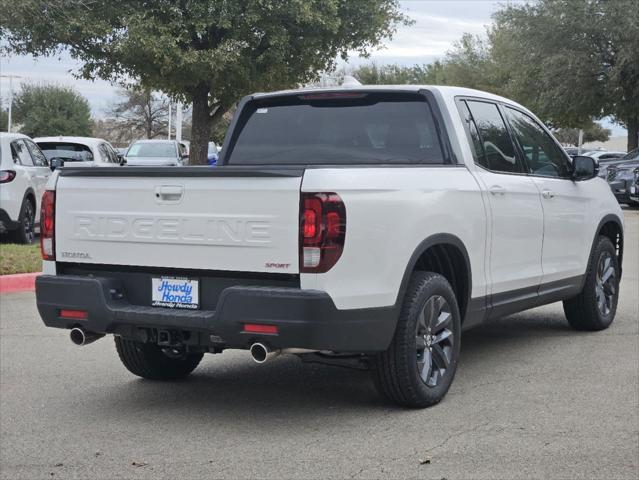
[322,231]
[47,225]
[7,175]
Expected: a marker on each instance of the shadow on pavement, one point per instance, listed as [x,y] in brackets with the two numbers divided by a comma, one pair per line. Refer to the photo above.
[230,387]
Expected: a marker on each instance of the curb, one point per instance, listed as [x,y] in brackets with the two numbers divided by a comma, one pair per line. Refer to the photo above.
[21,282]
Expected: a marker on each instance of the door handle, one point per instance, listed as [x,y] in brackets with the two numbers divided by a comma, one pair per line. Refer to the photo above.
[497,190]
[547,194]
[169,193]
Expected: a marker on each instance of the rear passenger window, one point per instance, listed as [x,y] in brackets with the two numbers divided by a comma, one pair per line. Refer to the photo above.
[497,151]
[20,153]
[38,157]
[543,156]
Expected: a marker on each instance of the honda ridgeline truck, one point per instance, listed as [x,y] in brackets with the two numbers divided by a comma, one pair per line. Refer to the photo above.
[369,223]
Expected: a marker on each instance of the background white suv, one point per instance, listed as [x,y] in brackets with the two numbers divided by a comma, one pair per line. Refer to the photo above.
[24,171]
[82,151]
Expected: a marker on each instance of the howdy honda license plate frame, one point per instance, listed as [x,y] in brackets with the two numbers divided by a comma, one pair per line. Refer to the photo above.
[175,292]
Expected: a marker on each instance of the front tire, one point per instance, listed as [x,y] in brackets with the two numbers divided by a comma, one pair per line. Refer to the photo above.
[595,307]
[419,366]
[25,234]
[150,361]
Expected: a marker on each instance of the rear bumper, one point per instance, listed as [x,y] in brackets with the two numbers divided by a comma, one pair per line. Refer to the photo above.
[305,318]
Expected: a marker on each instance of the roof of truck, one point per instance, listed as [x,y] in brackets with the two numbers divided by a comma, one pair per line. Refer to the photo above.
[445,91]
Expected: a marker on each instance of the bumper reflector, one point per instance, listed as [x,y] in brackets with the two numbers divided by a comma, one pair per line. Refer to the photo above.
[257,328]
[75,314]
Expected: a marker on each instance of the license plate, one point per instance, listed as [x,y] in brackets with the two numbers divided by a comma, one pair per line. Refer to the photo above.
[175,292]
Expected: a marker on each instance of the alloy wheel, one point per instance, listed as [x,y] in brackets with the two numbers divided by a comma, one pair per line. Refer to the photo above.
[434,340]
[28,223]
[605,283]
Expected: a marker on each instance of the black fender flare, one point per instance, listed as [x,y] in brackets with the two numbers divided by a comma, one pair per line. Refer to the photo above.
[436,239]
[611,217]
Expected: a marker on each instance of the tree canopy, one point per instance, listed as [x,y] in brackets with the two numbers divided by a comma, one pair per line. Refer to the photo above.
[43,109]
[592,133]
[571,60]
[208,52]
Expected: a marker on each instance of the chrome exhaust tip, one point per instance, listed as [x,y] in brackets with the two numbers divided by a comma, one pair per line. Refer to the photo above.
[261,353]
[80,337]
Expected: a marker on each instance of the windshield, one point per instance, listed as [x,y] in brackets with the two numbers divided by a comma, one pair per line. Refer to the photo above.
[337,129]
[69,152]
[152,150]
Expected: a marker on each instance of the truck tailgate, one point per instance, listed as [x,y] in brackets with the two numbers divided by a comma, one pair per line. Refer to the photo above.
[189,218]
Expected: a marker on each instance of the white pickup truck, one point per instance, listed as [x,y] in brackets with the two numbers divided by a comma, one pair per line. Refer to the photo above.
[366,223]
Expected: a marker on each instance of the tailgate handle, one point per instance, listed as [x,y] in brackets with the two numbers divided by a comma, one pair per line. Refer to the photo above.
[169,193]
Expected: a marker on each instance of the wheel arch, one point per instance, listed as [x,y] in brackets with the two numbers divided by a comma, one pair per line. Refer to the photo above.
[30,195]
[447,255]
[610,226]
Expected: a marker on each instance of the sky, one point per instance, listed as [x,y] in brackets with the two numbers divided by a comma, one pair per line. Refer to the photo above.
[438,24]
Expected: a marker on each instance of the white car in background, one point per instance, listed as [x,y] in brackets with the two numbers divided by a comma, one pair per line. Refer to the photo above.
[156,153]
[81,151]
[24,172]
[603,155]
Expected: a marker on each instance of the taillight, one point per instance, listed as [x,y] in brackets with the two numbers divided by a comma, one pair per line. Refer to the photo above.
[7,175]
[47,225]
[322,231]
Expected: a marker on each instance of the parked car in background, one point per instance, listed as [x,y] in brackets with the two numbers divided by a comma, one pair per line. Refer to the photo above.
[24,172]
[159,153]
[573,151]
[212,154]
[603,155]
[81,151]
[623,178]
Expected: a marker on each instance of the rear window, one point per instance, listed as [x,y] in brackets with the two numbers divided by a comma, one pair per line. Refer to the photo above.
[152,150]
[337,129]
[69,152]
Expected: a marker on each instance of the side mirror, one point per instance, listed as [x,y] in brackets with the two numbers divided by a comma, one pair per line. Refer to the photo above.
[56,162]
[584,168]
[122,159]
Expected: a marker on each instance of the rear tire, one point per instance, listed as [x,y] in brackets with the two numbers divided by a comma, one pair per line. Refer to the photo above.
[419,366]
[25,234]
[595,307]
[149,361]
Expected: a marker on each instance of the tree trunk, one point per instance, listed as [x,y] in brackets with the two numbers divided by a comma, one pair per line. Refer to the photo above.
[201,127]
[633,133]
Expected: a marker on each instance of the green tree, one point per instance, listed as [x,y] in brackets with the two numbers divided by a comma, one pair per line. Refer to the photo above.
[43,109]
[571,60]
[592,133]
[4,121]
[205,52]
[374,74]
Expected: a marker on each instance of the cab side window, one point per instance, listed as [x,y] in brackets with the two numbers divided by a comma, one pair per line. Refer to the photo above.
[543,156]
[497,151]
[20,153]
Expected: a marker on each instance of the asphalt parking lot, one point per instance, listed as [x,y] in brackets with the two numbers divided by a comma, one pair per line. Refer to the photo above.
[532,399]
